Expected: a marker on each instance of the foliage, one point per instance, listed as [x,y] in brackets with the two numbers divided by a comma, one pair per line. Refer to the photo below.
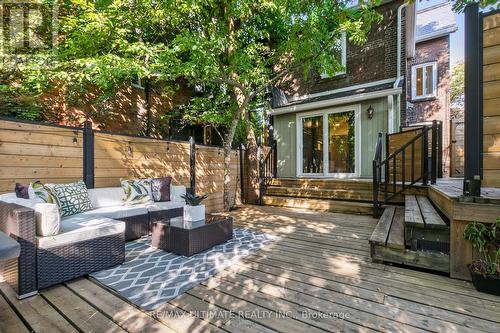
[457,86]
[486,240]
[232,52]
[193,200]
[459,5]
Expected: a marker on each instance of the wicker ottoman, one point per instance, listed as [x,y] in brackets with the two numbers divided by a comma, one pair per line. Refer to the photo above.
[174,235]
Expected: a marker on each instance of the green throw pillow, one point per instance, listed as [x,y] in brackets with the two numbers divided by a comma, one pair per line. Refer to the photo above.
[41,193]
[137,191]
[73,198]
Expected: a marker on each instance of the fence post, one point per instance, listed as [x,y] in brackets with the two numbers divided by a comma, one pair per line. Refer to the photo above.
[434,152]
[192,165]
[242,181]
[88,154]
[473,112]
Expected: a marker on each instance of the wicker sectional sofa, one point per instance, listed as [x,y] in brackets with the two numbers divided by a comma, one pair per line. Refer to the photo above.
[83,243]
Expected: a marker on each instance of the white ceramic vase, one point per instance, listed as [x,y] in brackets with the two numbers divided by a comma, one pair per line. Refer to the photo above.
[194,213]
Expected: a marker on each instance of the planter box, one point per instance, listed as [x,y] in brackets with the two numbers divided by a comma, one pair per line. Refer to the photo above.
[194,213]
[489,284]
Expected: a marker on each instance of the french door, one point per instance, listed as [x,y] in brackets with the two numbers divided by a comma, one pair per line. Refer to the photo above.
[328,142]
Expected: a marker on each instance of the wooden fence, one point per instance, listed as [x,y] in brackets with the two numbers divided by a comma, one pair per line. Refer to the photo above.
[457,148]
[54,154]
[491,100]
[396,141]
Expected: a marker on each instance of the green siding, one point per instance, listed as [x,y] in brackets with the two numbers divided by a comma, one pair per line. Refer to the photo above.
[369,131]
[285,130]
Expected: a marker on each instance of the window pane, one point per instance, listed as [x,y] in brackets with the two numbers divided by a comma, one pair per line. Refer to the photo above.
[420,81]
[341,142]
[312,144]
[429,89]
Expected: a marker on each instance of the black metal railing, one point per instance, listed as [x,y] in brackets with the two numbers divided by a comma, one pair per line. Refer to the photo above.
[268,168]
[430,165]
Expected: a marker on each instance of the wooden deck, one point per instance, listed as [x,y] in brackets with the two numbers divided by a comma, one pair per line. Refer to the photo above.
[318,271]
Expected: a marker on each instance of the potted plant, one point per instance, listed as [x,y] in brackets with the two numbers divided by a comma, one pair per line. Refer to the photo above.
[193,211]
[485,271]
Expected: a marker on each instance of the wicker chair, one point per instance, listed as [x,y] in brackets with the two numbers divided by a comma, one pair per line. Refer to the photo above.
[37,268]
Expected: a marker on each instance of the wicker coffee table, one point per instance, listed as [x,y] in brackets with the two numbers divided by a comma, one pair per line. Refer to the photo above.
[177,236]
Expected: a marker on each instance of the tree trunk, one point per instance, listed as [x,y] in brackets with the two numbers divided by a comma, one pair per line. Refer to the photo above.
[228,201]
[252,159]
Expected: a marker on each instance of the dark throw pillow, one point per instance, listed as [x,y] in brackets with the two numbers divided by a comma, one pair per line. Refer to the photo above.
[22,191]
[160,188]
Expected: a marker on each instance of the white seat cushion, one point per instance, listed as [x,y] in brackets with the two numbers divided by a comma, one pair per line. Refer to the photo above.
[164,205]
[116,212]
[176,191]
[47,216]
[106,196]
[79,228]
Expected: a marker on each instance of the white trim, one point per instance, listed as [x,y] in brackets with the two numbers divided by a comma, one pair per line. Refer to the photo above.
[426,94]
[436,34]
[398,58]
[357,142]
[355,87]
[335,101]
[390,114]
[343,58]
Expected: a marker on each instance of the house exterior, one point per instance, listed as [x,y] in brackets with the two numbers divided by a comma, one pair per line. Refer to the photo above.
[328,126]
[428,71]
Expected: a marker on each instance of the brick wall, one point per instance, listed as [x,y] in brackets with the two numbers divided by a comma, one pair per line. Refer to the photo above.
[375,60]
[435,108]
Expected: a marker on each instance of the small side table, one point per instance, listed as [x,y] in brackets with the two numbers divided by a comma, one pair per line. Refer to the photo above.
[186,239]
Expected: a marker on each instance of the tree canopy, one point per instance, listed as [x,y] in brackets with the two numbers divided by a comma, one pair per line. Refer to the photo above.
[231,51]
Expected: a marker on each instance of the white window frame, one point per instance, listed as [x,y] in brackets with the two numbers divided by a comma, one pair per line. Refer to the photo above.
[343,41]
[426,94]
[357,142]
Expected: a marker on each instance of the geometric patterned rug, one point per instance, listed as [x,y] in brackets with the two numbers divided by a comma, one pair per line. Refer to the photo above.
[151,277]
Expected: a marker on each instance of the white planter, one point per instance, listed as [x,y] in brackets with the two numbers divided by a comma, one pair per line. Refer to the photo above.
[194,213]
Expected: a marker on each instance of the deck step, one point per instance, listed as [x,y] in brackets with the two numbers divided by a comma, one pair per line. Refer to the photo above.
[339,206]
[316,183]
[420,213]
[389,231]
[333,194]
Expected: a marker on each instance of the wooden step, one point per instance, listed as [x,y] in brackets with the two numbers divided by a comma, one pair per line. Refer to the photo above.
[420,213]
[338,194]
[389,231]
[339,206]
[333,184]
[432,219]
[396,238]
[381,231]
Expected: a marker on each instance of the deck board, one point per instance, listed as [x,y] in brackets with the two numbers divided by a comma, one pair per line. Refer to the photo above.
[320,265]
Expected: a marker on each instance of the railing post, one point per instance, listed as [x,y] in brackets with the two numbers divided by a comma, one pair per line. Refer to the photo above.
[440,149]
[375,189]
[88,154]
[434,152]
[425,155]
[192,165]
[261,173]
[242,181]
